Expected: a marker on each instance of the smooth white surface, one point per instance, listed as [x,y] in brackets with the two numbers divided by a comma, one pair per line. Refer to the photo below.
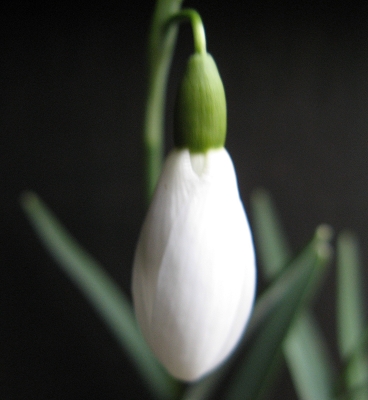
[194,270]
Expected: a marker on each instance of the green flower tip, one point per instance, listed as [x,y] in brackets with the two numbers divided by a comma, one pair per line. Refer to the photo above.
[200,109]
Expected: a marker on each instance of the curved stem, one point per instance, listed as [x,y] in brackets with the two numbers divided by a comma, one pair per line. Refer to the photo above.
[161,47]
[160,51]
[197,26]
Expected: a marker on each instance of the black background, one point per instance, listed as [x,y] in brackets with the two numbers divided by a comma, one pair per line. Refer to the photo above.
[72,101]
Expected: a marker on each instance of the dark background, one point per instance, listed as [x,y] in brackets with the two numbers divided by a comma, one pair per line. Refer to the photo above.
[72,100]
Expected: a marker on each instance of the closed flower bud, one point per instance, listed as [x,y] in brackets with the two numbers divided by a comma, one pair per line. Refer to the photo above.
[194,268]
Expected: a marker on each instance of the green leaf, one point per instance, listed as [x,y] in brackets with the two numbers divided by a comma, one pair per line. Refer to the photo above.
[351,318]
[272,245]
[309,362]
[299,282]
[352,392]
[305,350]
[101,291]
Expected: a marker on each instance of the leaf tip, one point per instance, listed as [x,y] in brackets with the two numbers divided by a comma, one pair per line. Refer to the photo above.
[324,233]
[28,200]
[260,194]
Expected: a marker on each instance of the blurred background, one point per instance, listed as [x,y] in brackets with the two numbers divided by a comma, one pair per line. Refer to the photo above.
[72,102]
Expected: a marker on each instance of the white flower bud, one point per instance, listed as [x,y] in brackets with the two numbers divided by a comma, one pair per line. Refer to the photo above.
[194,269]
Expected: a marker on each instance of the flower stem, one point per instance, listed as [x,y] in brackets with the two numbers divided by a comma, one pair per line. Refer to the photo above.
[160,51]
[197,26]
[161,47]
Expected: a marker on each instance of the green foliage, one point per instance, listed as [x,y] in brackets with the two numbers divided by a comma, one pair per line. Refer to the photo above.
[300,279]
[305,350]
[351,318]
[101,291]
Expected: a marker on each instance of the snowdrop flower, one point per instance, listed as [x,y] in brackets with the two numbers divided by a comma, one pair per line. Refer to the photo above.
[194,268]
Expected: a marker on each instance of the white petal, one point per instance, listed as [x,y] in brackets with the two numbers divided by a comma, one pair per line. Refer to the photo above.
[194,273]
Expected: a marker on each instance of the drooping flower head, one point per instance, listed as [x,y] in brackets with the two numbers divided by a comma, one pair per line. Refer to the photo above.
[194,268]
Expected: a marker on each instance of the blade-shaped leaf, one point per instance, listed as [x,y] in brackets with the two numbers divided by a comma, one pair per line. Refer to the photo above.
[357,392]
[101,291]
[301,279]
[351,318]
[309,363]
[273,248]
[345,392]
[348,392]
[305,350]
